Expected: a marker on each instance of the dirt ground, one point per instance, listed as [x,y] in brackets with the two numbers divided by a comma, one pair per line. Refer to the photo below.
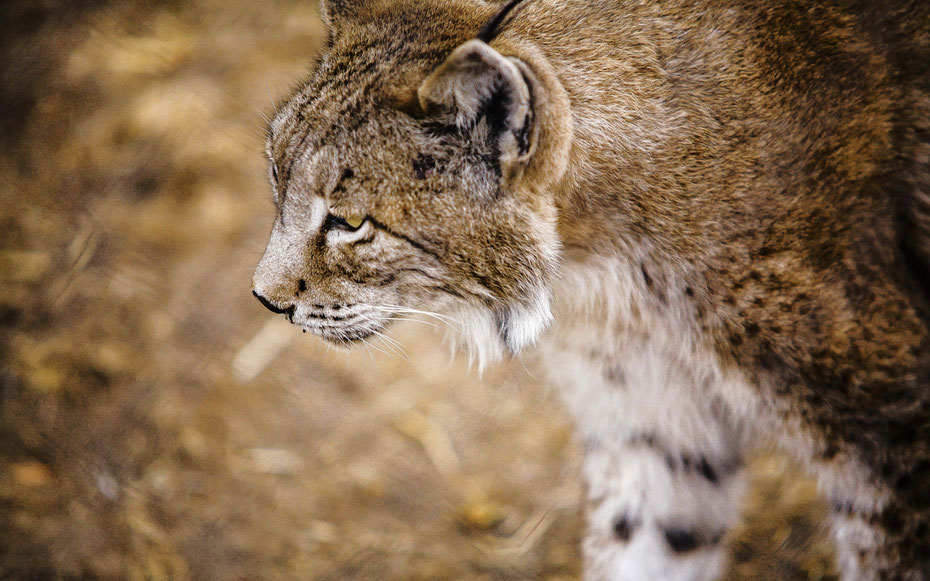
[157,423]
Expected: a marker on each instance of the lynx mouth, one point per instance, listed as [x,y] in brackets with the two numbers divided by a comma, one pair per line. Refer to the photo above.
[344,337]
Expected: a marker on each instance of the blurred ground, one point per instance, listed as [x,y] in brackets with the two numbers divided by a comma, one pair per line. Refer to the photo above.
[157,423]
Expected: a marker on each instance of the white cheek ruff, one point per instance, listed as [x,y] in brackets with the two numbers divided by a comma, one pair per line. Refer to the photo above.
[520,326]
[476,334]
[487,335]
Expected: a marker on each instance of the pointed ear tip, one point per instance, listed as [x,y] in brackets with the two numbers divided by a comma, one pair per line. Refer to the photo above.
[470,60]
[474,46]
[475,43]
[466,55]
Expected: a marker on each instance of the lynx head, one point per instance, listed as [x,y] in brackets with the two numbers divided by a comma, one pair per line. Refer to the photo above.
[413,171]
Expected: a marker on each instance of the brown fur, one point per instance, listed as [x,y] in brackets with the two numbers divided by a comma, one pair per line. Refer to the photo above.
[774,156]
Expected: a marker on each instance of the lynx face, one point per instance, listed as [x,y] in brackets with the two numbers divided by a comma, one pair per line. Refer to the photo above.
[401,186]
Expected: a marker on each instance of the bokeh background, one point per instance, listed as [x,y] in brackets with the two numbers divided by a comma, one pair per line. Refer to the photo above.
[157,423]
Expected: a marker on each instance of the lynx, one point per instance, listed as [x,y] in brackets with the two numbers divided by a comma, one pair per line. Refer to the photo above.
[710,219]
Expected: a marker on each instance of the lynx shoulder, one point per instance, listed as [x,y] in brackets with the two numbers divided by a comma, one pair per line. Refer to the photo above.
[713,217]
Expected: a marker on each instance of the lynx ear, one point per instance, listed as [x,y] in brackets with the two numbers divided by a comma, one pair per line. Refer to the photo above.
[478,84]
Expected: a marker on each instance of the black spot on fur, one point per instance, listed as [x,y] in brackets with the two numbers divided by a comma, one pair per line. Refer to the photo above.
[706,470]
[682,541]
[423,165]
[643,439]
[844,508]
[301,285]
[624,529]
[696,464]
[646,276]
[10,316]
[768,359]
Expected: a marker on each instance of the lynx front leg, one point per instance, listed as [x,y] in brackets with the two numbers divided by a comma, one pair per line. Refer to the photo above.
[662,458]
[657,511]
[663,449]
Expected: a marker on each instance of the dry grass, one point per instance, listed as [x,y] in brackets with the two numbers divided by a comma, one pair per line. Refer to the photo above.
[157,423]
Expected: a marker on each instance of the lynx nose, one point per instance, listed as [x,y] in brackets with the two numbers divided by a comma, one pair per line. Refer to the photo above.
[272,307]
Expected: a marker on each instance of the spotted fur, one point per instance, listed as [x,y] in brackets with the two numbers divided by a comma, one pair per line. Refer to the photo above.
[712,217]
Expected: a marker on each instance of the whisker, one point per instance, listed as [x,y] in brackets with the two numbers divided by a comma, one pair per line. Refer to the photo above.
[527,370]
[365,343]
[413,320]
[393,345]
[378,349]
[263,115]
[419,312]
[390,339]
[449,321]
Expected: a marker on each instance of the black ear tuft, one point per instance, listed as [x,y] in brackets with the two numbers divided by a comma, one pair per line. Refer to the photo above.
[490,30]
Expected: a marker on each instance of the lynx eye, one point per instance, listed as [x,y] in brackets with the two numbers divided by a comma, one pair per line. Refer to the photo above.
[349,223]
